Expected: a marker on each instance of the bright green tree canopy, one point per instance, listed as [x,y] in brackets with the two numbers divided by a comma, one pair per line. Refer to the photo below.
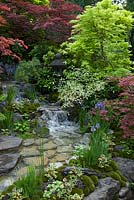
[100,37]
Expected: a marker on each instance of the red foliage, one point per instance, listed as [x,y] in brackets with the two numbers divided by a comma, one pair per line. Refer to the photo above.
[123,107]
[3,8]
[27,19]
[6,43]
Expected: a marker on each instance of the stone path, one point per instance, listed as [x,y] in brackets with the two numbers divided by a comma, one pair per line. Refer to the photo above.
[16,155]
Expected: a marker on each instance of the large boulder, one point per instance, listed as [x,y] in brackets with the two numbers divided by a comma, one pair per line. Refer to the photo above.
[126,167]
[106,190]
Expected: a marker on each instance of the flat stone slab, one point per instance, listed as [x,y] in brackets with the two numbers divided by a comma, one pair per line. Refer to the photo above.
[8,162]
[29,151]
[35,161]
[9,142]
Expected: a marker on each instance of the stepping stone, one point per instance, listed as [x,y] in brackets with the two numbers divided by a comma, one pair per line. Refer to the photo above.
[64,149]
[30,151]
[51,153]
[62,157]
[35,161]
[28,142]
[8,162]
[9,142]
[49,145]
[40,141]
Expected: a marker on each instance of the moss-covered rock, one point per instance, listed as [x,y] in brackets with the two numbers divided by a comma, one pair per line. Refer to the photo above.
[122,177]
[113,165]
[89,184]
[94,179]
[77,190]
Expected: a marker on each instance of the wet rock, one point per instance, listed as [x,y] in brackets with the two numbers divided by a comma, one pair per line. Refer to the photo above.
[9,142]
[126,167]
[8,162]
[106,190]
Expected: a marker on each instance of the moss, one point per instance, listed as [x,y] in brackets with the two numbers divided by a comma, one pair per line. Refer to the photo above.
[122,177]
[94,179]
[123,183]
[113,165]
[86,191]
[77,190]
[116,176]
[89,184]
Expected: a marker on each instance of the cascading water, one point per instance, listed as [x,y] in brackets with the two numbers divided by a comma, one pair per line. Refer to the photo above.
[57,120]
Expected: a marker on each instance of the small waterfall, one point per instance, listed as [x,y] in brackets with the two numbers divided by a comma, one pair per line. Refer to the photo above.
[57,120]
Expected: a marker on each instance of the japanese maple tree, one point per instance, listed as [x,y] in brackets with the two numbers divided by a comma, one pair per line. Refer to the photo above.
[6,43]
[38,22]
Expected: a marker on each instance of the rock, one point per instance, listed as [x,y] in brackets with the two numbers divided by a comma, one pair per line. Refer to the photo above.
[9,142]
[123,192]
[28,142]
[126,167]
[35,161]
[17,117]
[119,148]
[30,151]
[51,153]
[6,182]
[85,171]
[106,190]
[41,140]
[21,172]
[60,157]
[64,149]
[50,145]
[8,162]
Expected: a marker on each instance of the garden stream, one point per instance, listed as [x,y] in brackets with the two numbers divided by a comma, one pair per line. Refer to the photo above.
[17,154]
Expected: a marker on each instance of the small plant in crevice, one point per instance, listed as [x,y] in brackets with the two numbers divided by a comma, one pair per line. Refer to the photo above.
[22,126]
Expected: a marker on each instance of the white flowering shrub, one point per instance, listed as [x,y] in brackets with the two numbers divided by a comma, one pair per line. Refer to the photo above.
[78,86]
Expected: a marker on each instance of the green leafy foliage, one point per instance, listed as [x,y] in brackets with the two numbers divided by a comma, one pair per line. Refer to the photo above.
[85,2]
[34,72]
[100,38]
